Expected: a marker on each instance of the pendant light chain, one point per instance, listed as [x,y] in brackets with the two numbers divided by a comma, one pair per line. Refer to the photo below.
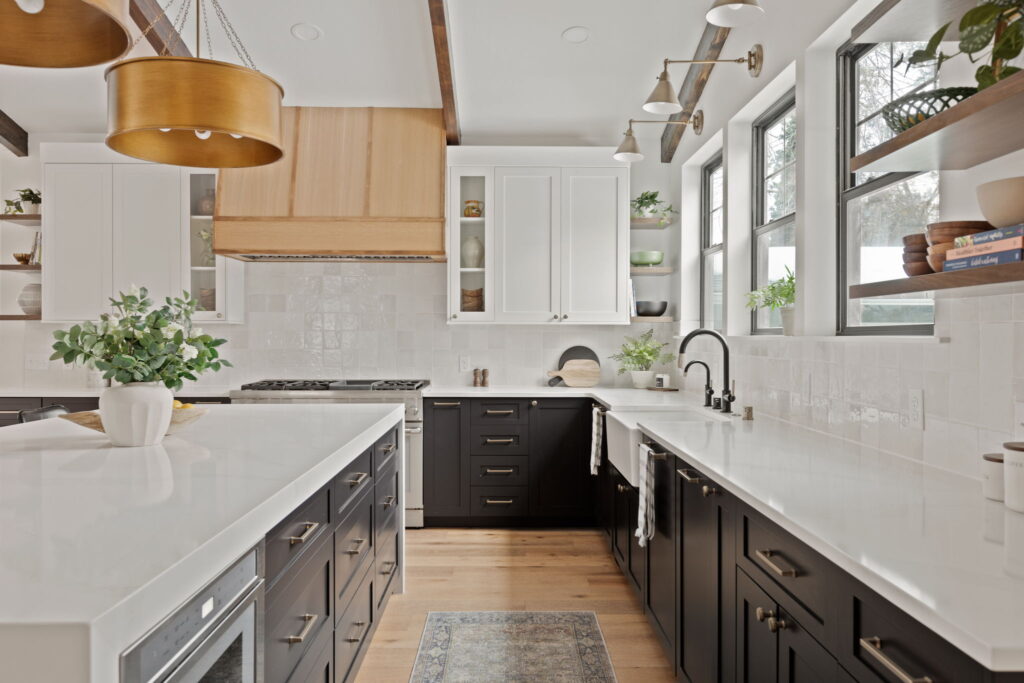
[236,42]
[181,20]
[161,15]
[209,41]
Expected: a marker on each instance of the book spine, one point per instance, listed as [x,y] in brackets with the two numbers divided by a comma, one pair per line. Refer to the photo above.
[987,248]
[989,236]
[996,259]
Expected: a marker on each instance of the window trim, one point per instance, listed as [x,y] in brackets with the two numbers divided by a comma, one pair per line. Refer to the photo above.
[777,111]
[706,249]
[846,190]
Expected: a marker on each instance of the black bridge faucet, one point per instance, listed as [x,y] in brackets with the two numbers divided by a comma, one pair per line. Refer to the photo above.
[709,391]
[728,395]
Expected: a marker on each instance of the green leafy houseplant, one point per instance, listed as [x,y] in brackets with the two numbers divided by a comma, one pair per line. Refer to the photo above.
[12,206]
[140,343]
[775,295]
[30,196]
[639,354]
[647,205]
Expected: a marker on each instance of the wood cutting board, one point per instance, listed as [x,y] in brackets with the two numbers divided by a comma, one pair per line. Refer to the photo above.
[579,373]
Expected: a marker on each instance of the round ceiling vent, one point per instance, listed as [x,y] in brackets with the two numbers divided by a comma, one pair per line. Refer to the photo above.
[576,34]
[306,32]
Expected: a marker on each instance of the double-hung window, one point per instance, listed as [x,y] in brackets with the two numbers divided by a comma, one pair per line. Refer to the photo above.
[712,238]
[876,210]
[774,238]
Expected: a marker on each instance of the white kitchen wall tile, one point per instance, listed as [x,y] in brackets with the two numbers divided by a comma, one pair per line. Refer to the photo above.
[994,308]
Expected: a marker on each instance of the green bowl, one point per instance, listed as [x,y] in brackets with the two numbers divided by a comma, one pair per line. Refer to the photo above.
[646,258]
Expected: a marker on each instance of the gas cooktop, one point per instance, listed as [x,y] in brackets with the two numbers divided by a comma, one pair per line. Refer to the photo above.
[336,385]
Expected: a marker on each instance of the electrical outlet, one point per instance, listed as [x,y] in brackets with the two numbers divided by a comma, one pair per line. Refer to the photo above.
[916,408]
[464,364]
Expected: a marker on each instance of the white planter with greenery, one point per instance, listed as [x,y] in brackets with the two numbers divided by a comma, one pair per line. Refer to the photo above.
[647,205]
[780,296]
[638,356]
[147,351]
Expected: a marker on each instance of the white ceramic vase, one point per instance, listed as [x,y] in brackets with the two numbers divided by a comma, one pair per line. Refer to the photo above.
[472,253]
[137,413]
[642,378]
[31,209]
[787,320]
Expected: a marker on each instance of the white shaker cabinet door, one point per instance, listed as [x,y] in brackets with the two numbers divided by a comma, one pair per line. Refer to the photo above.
[147,229]
[527,245]
[76,241]
[595,245]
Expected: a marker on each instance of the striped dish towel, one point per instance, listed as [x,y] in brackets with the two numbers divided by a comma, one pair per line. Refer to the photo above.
[596,438]
[645,511]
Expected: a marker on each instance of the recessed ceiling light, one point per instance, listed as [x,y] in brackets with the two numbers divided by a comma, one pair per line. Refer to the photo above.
[306,31]
[576,34]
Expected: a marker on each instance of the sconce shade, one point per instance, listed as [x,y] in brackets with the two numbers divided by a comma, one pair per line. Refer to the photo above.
[629,150]
[734,13]
[64,34]
[663,99]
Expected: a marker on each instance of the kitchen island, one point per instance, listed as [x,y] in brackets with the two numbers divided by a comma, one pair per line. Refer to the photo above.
[100,543]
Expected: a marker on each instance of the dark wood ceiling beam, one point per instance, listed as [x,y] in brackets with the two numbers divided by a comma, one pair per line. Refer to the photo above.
[442,51]
[163,37]
[710,47]
[13,136]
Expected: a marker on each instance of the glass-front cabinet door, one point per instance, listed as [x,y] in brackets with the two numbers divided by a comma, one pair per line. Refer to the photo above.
[471,244]
[205,275]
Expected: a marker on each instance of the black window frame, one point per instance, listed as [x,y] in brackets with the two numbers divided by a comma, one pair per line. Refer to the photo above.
[776,112]
[706,248]
[847,190]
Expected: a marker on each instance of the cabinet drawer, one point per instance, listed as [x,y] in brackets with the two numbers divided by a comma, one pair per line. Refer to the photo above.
[296,534]
[354,627]
[10,407]
[353,542]
[387,561]
[297,608]
[504,440]
[770,554]
[76,404]
[386,493]
[496,470]
[353,480]
[500,501]
[315,666]
[498,411]
[385,449]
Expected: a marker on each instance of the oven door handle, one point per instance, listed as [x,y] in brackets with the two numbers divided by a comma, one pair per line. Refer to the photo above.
[414,430]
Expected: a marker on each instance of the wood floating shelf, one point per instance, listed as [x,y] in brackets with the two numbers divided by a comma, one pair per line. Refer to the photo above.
[988,275]
[648,224]
[652,319]
[901,21]
[29,219]
[21,317]
[650,270]
[983,127]
[19,266]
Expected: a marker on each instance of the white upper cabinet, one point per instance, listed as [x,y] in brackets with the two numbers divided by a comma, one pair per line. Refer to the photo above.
[554,230]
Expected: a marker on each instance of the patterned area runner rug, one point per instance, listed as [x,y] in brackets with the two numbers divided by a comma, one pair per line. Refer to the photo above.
[478,647]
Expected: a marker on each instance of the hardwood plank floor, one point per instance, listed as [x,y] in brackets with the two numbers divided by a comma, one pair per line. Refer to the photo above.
[451,570]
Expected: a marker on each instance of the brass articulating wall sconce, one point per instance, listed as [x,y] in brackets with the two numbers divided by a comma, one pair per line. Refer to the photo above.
[664,100]
[629,150]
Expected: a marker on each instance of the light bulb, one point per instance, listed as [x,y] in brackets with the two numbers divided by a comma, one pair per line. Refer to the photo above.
[203,134]
[31,6]
[165,130]
[237,137]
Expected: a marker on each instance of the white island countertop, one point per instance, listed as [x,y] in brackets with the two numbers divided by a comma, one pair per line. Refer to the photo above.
[98,543]
[613,398]
[923,538]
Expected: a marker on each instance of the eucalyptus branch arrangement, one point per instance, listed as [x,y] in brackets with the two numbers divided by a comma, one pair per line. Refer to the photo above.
[775,295]
[140,343]
[992,32]
[641,353]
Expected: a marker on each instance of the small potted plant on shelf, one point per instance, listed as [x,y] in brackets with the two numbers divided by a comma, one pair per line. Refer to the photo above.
[30,200]
[638,355]
[779,295]
[648,208]
[147,351]
[12,207]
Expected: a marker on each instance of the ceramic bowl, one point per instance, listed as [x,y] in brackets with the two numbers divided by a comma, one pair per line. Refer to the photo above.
[651,308]
[646,258]
[915,269]
[947,231]
[1002,201]
[915,242]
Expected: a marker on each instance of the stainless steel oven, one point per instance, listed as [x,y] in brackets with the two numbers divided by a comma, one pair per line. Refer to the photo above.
[215,637]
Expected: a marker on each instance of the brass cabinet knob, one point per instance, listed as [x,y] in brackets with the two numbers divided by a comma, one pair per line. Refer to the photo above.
[454,316]
[556,317]
[776,625]
[761,613]
[709,491]
[565,317]
[622,488]
[533,403]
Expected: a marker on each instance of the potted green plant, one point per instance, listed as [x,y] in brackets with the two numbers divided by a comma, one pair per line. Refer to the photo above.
[992,33]
[31,200]
[638,355]
[11,207]
[147,351]
[648,206]
[779,295]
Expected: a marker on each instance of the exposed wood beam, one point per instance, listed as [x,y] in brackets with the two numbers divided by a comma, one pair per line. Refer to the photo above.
[163,37]
[710,47]
[439,24]
[13,136]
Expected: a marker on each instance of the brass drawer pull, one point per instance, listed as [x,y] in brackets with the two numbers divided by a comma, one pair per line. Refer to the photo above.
[709,491]
[358,479]
[499,470]
[388,501]
[311,528]
[388,572]
[766,557]
[9,412]
[359,546]
[388,448]
[873,646]
[453,404]
[689,477]
[499,501]
[499,412]
[356,640]
[310,619]
[621,488]
[504,442]
[657,456]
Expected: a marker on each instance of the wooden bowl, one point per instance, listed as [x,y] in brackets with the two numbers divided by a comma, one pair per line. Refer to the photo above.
[948,231]
[941,249]
[914,257]
[182,417]
[936,262]
[23,258]
[915,269]
[915,242]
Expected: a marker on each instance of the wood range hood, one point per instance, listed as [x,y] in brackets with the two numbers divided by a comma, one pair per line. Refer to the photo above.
[355,184]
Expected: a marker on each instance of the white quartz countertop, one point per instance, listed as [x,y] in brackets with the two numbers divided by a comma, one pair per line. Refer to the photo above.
[613,398]
[923,538]
[98,543]
[31,392]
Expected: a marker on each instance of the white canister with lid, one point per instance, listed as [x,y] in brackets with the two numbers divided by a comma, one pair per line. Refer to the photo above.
[1013,475]
[992,485]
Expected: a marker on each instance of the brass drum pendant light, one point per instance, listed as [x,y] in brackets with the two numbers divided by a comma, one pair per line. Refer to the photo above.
[189,111]
[63,33]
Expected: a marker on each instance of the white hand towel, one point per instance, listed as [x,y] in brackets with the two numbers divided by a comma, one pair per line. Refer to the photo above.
[645,511]
[596,437]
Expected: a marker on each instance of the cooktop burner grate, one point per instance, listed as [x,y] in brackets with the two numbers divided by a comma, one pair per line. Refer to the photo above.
[336,385]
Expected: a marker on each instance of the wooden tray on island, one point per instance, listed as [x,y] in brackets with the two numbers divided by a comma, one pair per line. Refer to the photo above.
[180,417]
